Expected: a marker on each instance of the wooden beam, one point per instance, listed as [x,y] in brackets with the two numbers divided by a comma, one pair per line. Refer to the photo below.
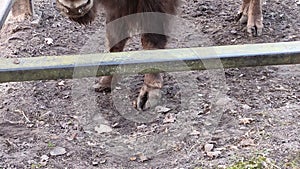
[168,60]
[5,8]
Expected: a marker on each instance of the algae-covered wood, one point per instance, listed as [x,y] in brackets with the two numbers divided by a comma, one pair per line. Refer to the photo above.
[167,60]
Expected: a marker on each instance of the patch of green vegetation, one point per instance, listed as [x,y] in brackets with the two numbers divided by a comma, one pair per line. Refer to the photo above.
[34,166]
[50,144]
[257,162]
[294,164]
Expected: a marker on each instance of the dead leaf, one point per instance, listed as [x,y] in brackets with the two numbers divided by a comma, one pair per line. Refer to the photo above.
[143,158]
[245,121]
[132,158]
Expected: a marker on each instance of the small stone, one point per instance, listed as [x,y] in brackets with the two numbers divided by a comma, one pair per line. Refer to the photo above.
[246,107]
[44,160]
[233,147]
[161,109]
[208,147]
[234,32]
[57,151]
[220,149]
[16,61]
[61,83]
[103,129]
[213,154]
[102,161]
[132,158]
[49,41]
[222,166]
[95,163]
[141,127]
[195,133]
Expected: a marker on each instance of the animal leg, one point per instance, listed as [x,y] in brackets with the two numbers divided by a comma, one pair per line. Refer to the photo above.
[242,16]
[251,11]
[150,93]
[104,83]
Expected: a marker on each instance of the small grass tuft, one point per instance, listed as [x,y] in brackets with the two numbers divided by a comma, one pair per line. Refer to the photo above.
[50,144]
[257,162]
[35,166]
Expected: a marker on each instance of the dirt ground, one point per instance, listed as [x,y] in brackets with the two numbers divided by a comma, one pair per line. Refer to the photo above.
[206,119]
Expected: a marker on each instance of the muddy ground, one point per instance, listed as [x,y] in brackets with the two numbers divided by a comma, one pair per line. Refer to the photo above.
[206,119]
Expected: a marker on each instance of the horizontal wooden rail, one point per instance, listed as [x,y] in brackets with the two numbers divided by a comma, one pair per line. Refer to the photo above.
[168,60]
[5,7]
[20,9]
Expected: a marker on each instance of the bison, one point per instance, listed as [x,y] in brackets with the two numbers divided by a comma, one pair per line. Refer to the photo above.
[85,11]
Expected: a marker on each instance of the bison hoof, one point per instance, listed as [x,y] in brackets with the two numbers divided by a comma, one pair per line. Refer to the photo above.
[254,29]
[241,18]
[98,87]
[148,98]
[254,26]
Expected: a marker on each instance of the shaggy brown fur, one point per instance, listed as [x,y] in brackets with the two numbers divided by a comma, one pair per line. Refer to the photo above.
[85,11]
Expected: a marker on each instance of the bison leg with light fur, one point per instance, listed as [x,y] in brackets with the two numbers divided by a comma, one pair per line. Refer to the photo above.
[251,13]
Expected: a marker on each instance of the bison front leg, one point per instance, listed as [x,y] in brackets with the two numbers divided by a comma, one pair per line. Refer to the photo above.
[251,12]
[150,93]
[104,83]
[117,36]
